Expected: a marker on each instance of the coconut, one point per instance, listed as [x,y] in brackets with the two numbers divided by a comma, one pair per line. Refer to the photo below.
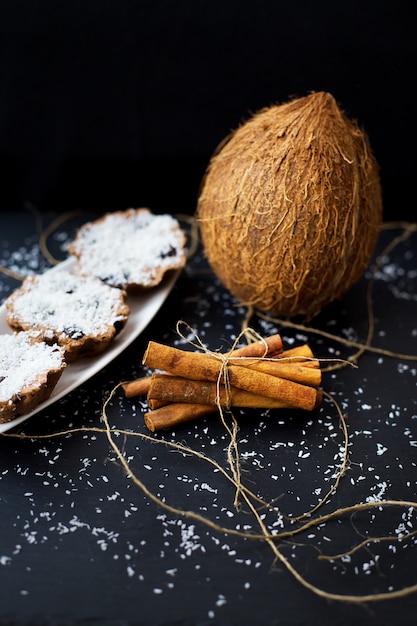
[290,207]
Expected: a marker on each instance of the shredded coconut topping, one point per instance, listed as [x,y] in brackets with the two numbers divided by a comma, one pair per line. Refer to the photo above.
[24,363]
[66,303]
[133,247]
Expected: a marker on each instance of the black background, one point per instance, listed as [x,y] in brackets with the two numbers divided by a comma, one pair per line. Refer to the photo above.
[115,103]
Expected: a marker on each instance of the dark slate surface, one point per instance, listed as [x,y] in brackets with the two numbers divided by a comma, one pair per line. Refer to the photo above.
[80,543]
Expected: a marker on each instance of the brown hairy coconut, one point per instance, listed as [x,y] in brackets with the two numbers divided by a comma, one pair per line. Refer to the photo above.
[290,207]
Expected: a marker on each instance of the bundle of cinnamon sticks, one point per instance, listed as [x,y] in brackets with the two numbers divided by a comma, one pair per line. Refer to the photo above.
[261,374]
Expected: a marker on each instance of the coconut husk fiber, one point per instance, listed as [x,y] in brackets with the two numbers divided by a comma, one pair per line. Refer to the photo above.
[290,207]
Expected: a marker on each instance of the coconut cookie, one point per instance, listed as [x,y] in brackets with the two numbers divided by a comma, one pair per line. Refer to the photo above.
[29,371]
[130,249]
[80,313]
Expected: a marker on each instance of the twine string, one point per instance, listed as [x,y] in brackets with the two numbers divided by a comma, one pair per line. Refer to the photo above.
[224,404]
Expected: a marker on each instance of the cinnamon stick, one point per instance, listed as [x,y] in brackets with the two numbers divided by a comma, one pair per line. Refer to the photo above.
[272,345]
[177,389]
[306,372]
[199,366]
[137,387]
[287,364]
[268,346]
[140,386]
[298,351]
[173,414]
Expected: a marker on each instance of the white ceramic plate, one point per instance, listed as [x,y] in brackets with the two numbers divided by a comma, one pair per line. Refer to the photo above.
[142,309]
